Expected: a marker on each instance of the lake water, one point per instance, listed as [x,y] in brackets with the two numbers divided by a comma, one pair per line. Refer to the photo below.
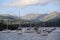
[55,35]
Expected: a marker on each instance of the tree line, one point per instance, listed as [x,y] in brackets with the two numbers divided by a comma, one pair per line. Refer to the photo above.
[50,23]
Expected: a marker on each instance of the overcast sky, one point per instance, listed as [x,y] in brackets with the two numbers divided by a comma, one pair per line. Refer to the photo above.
[14,7]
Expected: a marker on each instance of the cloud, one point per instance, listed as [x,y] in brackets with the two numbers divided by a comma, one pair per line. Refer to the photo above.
[22,3]
[56,1]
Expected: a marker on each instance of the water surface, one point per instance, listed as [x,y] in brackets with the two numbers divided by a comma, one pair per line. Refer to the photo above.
[55,35]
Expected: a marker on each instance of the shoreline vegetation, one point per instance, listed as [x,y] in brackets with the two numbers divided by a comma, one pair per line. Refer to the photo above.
[15,26]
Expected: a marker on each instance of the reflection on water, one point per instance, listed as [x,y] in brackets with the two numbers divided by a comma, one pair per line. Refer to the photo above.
[55,35]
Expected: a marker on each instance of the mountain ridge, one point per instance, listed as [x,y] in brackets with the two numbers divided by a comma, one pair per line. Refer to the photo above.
[33,17]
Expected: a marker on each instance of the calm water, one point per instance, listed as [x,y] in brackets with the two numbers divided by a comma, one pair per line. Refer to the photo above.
[55,35]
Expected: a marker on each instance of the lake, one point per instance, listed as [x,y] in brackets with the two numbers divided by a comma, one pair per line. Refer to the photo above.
[55,35]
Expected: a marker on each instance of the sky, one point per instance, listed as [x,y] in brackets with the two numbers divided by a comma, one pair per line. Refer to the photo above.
[24,7]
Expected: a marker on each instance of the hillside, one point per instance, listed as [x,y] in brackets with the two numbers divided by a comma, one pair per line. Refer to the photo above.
[30,17]
[51,16]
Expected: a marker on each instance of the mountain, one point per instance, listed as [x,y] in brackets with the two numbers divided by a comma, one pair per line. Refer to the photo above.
[30,16]
[8,16]
[42,17]
[53,15]
[33,17]
[38,19]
